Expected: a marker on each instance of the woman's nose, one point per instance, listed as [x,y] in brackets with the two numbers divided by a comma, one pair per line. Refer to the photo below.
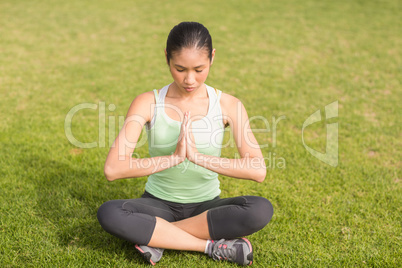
[190,78]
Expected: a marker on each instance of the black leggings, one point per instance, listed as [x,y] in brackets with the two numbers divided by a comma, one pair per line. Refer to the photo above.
[134,219]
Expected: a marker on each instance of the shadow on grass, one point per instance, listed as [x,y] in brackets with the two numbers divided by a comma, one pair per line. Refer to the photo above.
[69,192]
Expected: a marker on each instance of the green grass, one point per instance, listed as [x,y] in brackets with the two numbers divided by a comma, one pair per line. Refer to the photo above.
[281,58]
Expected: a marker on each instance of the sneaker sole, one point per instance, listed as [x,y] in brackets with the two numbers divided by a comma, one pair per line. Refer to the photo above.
[250,255]
[146,255]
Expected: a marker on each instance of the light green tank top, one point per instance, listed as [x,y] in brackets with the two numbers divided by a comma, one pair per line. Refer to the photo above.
[186,182]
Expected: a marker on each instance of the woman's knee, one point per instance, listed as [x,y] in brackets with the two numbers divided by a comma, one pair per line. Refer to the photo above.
[129,225]
[260,212]
[107,214]
[245,218]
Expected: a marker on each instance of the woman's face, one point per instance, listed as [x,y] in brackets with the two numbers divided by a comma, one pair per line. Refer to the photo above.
[190,67]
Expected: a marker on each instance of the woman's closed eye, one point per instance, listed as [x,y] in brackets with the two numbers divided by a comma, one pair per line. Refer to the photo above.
[182,70]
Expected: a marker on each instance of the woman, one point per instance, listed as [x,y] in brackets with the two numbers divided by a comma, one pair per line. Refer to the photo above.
[185,120]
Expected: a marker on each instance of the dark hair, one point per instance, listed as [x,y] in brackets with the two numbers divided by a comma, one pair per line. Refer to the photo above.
[188,35]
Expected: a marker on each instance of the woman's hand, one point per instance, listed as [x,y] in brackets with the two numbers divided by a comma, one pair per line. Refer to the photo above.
[191,149]
[186,147]
[180,152]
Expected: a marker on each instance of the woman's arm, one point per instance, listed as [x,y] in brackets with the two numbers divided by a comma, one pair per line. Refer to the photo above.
[251,164]
[119,162]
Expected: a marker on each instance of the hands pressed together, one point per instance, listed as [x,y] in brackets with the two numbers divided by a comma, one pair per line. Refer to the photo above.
[186,147]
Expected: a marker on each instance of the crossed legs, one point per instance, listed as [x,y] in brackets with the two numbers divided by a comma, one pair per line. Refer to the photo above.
[181,235]
[152,222]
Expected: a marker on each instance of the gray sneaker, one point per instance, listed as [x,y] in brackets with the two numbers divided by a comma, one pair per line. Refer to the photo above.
[238,251]
[150,254]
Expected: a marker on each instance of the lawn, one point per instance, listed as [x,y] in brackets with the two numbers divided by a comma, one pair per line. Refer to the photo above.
[284,59]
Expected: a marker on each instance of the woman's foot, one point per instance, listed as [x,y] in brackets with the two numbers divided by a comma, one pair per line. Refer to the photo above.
[150,254]
[238,251]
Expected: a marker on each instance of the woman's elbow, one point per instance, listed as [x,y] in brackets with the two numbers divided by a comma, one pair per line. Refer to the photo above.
[109,172]
[260,170]
[260,175]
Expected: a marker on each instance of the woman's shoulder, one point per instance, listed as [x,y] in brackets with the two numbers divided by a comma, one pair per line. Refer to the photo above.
[150,95]
[144,98]
[146,95]
[229,101]
[141,105]
[228,98]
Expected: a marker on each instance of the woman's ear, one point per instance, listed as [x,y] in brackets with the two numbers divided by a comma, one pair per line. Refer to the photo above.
[167,61]
[213,55]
